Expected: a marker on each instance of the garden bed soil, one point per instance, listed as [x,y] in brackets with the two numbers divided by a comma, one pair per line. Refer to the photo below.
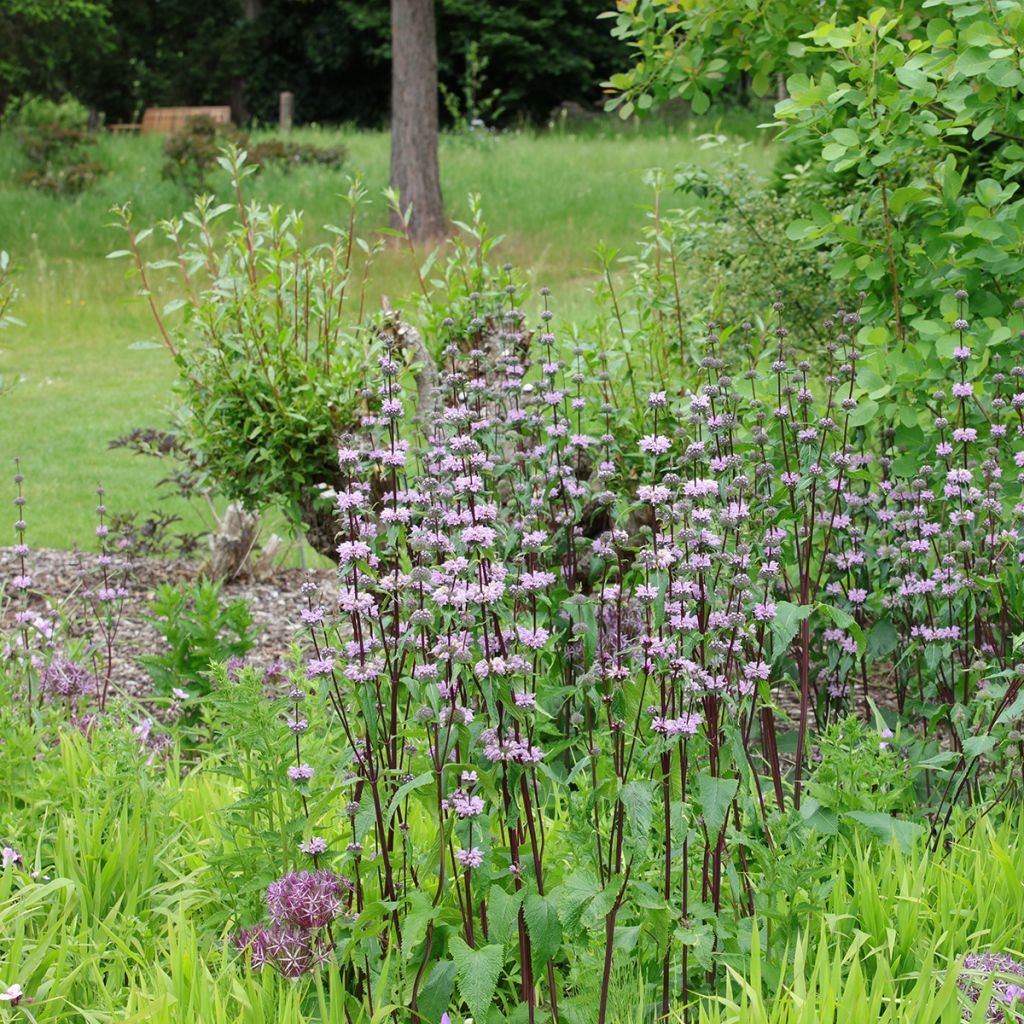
[59,577]
[58,580]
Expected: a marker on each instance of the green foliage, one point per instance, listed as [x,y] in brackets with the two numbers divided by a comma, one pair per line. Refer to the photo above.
[121,56]
[738,254]
[911,115]
[198,631]
[267,349]
[471,107]
[58,160]
[33,111]
[53,46]
[53,139]
[478,974]
[193,152]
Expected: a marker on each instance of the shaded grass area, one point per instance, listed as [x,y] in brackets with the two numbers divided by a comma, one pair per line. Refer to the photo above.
[85,362]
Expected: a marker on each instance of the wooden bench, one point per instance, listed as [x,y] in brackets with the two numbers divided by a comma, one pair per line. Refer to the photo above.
[170,119]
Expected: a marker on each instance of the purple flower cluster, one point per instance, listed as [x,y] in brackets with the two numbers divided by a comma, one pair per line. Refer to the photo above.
[1007,976]
[301,906]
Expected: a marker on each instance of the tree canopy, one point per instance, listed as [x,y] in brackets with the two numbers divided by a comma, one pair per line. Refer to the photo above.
[120,56]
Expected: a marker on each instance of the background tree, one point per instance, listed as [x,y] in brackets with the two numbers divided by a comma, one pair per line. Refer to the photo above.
[415,175]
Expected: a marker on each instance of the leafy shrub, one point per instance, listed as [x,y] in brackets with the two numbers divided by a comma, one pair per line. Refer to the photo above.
[915,107]
[58,160]
[198,632]
[32,111]
[738,258]
[193,152]
[268,353]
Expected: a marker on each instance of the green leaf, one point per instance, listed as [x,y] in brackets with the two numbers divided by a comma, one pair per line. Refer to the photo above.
[573,895]
[787,621]
[503,915]
[638,800]
[716,795]
[978,746]
[882,639]
[543,927]
[478,974]
[436,994]
[865,412]
[821,819]
[886,827]
[701,102]
[404,791]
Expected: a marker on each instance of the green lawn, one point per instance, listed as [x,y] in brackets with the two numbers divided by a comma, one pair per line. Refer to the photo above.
[83,376]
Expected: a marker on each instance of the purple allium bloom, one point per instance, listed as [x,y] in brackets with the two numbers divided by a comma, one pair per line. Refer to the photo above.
[1006,973]
[66,681]
[292,951]
[306,899]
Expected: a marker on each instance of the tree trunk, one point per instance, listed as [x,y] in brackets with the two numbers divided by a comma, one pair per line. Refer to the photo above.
[414,170]
[238,100]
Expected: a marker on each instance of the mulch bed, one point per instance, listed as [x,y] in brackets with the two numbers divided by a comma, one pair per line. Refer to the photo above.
[275,607]
[59,577]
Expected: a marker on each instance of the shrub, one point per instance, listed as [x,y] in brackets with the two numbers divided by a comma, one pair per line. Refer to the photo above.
[193,152]
[32,111]
[58,158]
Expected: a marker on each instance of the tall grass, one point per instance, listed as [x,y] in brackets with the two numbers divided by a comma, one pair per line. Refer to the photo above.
[87,369]
[125,923]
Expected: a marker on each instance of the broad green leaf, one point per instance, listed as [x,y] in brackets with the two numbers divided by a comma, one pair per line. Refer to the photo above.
[716,795]
[543,927]
[478,971]
[503,915]
[786,625]
[885,826]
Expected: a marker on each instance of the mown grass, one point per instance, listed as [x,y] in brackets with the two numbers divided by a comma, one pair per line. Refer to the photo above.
[83,376]
[128,921]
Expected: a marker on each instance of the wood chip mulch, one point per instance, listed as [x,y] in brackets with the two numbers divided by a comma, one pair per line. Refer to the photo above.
[60,577]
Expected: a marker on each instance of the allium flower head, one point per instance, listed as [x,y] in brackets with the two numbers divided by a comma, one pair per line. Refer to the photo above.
[306,899]
[1007,985]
